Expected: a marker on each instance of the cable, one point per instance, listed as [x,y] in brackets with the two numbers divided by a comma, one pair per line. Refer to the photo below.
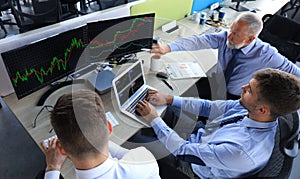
[41,110]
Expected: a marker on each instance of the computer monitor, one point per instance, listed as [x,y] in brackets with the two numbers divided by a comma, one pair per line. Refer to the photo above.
[36,65]
[115,38]
[239,8]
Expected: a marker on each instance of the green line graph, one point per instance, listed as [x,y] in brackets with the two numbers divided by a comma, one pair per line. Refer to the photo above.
[56,62]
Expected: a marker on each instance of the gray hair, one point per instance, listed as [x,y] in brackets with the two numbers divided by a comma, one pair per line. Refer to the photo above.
[254,22]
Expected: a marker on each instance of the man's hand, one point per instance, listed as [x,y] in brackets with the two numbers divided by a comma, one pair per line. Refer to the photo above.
[158,99]
[54,158]
[146,110]
[160,49]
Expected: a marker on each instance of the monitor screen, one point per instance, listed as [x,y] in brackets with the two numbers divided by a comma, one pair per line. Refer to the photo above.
[115,38]
[129,83]
[40,63]
[238,7]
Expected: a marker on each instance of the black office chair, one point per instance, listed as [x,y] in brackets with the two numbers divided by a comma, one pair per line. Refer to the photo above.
[4,6]
[292,5]
[105,4]
[69,9]
[283,34]
[285,150]
[44,13]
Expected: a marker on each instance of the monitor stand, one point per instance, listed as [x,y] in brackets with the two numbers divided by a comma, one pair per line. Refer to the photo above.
[238,8]
[56,87]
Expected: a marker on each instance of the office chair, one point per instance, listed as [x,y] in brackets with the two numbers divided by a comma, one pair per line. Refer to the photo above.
[285,149]
[282,33]
[105,4]
[44,13]
[69,9]
[4,6]
[291,5]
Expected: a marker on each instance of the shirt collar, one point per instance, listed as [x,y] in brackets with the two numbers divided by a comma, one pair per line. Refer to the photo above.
[97,171]
[246,49]
[255,124]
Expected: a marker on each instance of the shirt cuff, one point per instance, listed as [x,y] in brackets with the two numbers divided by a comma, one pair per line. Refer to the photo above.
[173,47]
[156,121]
[176,101]
[54,174]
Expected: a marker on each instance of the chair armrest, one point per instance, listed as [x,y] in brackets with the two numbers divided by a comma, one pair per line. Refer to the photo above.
[294,43]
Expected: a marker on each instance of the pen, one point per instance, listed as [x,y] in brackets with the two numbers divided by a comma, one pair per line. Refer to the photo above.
[165,82]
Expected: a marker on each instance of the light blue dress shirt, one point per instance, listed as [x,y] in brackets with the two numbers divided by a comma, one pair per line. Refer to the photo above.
[257,55]
[231,151]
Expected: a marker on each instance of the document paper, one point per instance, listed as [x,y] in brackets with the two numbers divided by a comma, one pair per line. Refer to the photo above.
[182,70]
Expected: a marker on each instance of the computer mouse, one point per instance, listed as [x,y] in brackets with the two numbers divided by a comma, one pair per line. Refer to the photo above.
[162,75]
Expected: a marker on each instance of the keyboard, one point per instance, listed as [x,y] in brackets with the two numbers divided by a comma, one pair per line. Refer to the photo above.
[142,96]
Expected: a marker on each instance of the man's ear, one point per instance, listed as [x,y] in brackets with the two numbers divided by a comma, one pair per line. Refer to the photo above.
[250,39]
[60,148]
[264,109]
[110,127]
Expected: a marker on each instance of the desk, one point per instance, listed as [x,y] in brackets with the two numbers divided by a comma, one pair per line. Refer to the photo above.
[190,27]
[262,7]
[26,110]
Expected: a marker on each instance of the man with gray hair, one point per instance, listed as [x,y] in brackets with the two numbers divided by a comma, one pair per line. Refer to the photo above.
[240,53]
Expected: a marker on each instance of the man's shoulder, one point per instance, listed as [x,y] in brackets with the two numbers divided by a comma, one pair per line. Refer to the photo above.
[139,162]
[139,154]
[264,46]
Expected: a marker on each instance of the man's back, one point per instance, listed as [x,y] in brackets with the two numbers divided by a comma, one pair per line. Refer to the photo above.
[137,163]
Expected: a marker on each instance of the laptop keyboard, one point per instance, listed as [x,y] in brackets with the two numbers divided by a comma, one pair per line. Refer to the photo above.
[131,108]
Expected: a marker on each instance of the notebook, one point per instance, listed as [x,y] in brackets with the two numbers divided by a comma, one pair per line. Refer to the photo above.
[130,87]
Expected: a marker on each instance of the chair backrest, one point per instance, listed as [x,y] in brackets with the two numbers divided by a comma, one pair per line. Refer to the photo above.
[105,4]
[285,149]
[4,5]
[45,12]
[283,34]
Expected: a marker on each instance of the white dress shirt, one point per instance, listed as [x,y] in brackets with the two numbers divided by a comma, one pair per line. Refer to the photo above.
[137,163]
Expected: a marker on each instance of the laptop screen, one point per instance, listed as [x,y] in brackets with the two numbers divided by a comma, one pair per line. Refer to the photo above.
[129,82]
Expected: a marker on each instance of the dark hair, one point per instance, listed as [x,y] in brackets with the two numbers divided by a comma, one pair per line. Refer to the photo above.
[278,89]
[79,122]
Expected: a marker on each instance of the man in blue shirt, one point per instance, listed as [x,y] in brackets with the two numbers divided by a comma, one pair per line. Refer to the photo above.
[236,65]
[238,139]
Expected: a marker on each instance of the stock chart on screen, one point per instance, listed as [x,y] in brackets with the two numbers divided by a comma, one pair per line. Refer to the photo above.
[36,65]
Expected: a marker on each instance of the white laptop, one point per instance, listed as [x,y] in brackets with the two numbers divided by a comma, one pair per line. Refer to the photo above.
[130,88]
